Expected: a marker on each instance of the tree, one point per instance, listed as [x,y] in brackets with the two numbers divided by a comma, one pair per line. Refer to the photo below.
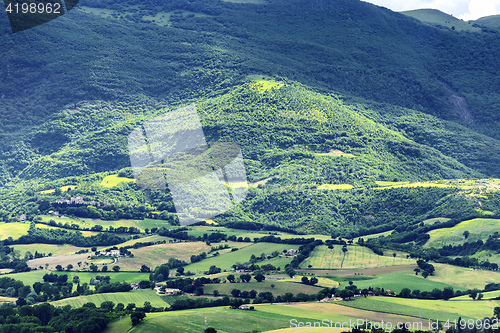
[119,307]
[216,293]
[145,269]
[425,274]
[417,270]
[245,277]
[305,280]
[130,306]
[214,270]
[69,267]
[405,292]
[287,297]
[236,292]
[161,273]
[137,317]
[230,278]
[116,268]
[313,281]
[496,311]
[93,267]
[107,305]
[473,294]
[448,293]
[466,234]
[59,268]
[259,277]
[210,330]
[104,268]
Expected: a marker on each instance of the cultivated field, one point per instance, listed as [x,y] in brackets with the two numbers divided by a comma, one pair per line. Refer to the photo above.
[136,296]
[478,229]
[156,255]
[428,309]
[280,287]
[355,257]
[243,255]
[396,281]
[463,277]
[14,230]
[55,249]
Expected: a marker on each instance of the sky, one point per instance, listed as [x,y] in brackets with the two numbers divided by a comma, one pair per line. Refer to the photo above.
[462,9]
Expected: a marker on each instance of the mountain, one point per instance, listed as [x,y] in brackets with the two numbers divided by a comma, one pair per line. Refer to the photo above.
[316,93]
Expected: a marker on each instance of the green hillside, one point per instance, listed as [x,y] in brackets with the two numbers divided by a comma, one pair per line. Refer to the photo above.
[479,229]
[492,21]
[439,19]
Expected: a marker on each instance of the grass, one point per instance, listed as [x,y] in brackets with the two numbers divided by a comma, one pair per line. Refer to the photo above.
[335,187]
[14,230]
[135,296]
[355,257]
[280,287]
[114,180]
[396,281]
[435,220]
[84,233]
[55,249]
[88,223]
[63,189]
[429,309]
[486,296]
[463,277]
[225,261]
[478,228]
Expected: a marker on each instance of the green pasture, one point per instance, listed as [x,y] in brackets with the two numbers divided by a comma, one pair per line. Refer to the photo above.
[435,220]
[13,229]
[467,278]
[396,281]
[355,257]
[280,287]
[135,296]
[225,261]
[89,223]
[428,309]
[224,320]
[478,229]
[55,249]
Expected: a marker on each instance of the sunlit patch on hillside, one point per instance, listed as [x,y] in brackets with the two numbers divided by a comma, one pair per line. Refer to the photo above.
[265,85]
[335,187]
[113,180]
[63,189]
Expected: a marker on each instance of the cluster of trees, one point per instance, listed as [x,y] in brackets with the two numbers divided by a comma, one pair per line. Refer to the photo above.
[47,318]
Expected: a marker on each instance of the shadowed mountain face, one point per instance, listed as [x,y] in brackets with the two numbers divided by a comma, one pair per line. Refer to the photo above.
[125,62]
